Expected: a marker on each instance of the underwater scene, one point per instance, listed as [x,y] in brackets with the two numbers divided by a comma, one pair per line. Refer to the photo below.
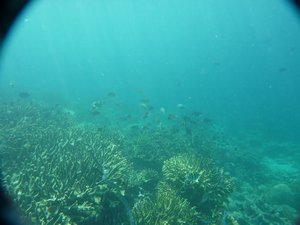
[152,112]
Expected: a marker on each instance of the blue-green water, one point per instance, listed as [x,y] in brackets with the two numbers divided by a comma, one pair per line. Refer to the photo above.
[236,64]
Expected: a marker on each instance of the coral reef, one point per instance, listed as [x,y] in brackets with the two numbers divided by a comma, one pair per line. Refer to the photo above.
[248,207]
[73,175]
[168,208]
[279,194]
[197,179]
[148,148]
[142,182]
[64,174]
[61,171]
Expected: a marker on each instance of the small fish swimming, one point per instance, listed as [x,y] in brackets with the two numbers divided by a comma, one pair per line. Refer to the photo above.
[111,94]
[162,110]
[11,84]
[24,94]
[98,104]
[172,116]
[180,106]
[95,113]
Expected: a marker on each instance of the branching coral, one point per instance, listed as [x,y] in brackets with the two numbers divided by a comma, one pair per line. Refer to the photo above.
[143,182]
[167,209]
[65,174]
[199,181]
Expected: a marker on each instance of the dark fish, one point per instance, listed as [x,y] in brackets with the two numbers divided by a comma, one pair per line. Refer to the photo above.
[197,114]
[117,104]
[150,107]
[111,94]
[292,49]
[282,70]
[100,129]
[207,121]
[146,115]
[95,113]
[188,131]
[267,40]
[135,127]
[24,94]
[172,116]
[145,100]
[297,221]
[216,64]
[98,104]
[140,92]
[125,117]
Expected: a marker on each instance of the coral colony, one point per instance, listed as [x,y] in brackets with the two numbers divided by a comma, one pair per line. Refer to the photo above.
[60,171]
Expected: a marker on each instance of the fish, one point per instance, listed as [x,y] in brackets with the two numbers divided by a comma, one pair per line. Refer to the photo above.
[24,94]
[216,64]
[95,113]
[180,106]
[98,104]
[207,121]
[162,110]
[146,106]
[282,70]
[11,84]
[146,115]
[111,94]
[196,114]
[126,117]
[145,100]
[150,107]
[143,105]
[69,112]
[172,116]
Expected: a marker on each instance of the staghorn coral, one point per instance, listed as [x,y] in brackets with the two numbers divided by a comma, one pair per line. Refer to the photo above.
[22,125]
[142,182]
[200,182]
[168,208]
[61,174]
[67,181]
